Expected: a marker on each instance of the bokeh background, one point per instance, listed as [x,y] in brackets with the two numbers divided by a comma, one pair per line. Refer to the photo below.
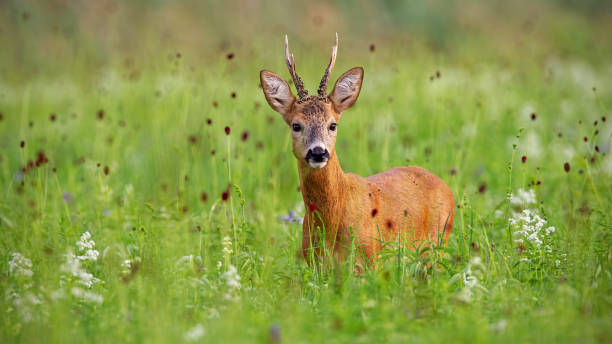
[93,35]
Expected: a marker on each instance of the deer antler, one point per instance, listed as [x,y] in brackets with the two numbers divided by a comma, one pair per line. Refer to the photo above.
[299,85]
[330,67]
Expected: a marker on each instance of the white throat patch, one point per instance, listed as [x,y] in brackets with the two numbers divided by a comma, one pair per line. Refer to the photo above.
[317,164]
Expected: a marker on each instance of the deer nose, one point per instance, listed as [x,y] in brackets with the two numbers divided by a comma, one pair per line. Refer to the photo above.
[318,154]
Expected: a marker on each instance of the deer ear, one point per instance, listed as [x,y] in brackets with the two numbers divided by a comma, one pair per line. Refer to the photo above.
[277,92]
[346,90]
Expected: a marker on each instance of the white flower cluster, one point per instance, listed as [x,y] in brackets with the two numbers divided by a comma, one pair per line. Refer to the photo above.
[77,273]
[232,280]
[20,267]
[227,245]
[530,227]
[195,333]
[470,276]
[87,245]
[523,197]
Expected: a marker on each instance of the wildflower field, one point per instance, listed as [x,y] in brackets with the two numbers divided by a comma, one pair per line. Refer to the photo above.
[149,194]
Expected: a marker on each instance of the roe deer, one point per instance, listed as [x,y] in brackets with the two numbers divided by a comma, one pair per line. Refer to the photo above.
[407,199]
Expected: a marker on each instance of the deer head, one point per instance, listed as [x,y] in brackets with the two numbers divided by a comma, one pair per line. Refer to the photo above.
[312,119]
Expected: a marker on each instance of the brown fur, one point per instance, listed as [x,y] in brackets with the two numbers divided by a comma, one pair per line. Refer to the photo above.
[407,199]
[402,197]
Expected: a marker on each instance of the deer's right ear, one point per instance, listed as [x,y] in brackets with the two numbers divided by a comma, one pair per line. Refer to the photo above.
[277,92]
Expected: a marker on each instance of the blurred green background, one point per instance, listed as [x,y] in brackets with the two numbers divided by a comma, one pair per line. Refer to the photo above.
[69,35]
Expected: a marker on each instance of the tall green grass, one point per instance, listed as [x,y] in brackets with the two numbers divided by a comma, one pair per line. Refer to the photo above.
[132,159]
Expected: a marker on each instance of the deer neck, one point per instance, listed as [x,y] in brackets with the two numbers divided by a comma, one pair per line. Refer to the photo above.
[324,188]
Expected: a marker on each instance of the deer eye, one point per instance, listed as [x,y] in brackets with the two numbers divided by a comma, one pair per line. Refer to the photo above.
[332,127]
[296,127]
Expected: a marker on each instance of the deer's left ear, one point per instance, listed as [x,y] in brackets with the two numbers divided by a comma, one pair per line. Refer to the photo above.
[347,88]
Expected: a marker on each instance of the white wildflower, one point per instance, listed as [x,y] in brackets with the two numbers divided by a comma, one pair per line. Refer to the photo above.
[531,227]
[87,295]
[20,278]
[523,198]
[77,272]
[195,333]
[85,243]
[90,255]
[20,265]
[232,281]
[231,277]
[184,260]
[470,276]
[227,244]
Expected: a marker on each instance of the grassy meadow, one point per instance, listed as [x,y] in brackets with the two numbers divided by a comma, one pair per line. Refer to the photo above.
[149,193]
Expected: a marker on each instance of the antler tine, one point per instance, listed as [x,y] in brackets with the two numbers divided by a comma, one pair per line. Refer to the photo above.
[299,85]
[330,67]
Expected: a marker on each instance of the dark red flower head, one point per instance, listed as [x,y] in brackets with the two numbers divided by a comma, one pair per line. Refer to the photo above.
[227,130]
[566,167]
[372,47]
[533,116]
[524,159]
[482,188]
[312,207]
[225,195]
[100,114]
[230,56]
